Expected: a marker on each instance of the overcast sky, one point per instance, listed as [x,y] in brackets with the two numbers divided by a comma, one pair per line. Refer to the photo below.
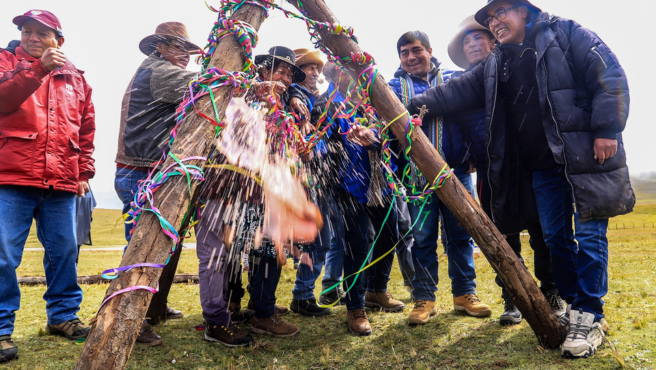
[102,39]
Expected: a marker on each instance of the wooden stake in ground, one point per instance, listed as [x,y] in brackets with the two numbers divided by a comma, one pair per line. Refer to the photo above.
[117,323]
[519,282]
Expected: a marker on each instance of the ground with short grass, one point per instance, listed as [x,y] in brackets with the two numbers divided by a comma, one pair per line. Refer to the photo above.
[450,341]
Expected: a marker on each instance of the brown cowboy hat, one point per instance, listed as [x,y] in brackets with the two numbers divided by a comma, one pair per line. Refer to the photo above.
[481,15]
[305,56]
[168,31]
[456,53]
[287,56]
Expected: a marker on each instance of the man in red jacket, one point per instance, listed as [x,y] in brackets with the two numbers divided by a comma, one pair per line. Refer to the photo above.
[46,142]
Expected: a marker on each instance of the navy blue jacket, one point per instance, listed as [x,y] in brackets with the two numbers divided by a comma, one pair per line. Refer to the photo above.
[584,95]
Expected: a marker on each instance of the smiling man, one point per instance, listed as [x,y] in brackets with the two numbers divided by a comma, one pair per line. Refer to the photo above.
[147,118]
[419,71]
[47,127]
[556,101]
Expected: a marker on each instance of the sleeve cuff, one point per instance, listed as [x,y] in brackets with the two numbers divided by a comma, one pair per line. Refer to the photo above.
[39,70]
[606,134]
[85,176]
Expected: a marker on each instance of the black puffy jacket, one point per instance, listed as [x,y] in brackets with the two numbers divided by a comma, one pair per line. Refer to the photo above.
[583,94]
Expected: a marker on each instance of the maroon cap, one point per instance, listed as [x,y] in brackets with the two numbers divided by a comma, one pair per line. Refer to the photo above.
[42,16]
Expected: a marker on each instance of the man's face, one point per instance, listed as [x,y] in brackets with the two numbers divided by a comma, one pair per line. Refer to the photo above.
[511,29]
[477,45]
[415,59]
[175,52]
[311,75]
[36,38]
[282,73]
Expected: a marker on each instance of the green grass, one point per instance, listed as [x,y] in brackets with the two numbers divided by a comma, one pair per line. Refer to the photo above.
[450,341]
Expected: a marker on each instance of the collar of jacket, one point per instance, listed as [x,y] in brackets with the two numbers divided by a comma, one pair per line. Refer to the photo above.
[68,67]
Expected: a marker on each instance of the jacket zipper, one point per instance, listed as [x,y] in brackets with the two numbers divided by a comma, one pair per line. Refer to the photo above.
[594,50]
[558,132]
[489,135]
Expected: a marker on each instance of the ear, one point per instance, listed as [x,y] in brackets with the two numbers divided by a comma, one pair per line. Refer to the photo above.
[60,42]
[430,51]
[523,12]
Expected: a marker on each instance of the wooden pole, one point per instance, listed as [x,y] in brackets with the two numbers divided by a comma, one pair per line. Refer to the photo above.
[116,325]
[519,282]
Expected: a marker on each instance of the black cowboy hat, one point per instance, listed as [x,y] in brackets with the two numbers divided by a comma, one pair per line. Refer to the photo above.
[286,55]
[481,15]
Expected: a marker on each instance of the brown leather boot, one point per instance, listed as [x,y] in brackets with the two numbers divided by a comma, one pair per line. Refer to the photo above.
[357,322]
[422,312]
[472,305]
[280,310]
[383,301]
[147,337]
[273,325]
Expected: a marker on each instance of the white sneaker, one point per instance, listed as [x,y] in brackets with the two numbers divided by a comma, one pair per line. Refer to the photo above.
[583,335]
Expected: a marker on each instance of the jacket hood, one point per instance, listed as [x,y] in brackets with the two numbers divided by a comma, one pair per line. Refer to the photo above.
[400,72]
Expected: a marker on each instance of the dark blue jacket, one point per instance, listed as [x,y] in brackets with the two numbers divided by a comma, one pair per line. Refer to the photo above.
[454,143]
[584,95]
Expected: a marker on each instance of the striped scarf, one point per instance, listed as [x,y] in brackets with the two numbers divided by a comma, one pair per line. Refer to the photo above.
[435,125]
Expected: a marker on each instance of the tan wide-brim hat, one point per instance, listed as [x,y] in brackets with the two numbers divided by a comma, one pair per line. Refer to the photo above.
[305,56]
[456,52]
[481,15]
[165,32]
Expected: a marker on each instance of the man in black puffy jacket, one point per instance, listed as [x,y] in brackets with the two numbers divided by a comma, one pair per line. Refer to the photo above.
[556,102]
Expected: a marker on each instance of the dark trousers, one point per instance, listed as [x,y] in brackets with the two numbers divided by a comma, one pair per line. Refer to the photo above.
[377,276]
[264,278]
[541,255]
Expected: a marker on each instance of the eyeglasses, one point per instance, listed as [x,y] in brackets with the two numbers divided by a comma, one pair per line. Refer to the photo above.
[500,15]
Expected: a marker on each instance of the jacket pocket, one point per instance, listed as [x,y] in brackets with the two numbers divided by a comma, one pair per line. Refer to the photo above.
[72,170]
[17,151]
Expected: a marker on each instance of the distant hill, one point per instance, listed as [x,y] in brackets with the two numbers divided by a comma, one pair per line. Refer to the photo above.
[644,185]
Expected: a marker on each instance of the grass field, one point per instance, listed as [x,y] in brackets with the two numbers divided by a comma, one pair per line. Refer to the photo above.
[450,341]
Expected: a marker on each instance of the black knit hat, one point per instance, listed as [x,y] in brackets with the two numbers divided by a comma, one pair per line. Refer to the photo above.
[286,55]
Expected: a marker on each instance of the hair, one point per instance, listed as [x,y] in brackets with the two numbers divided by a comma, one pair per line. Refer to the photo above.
[410,37]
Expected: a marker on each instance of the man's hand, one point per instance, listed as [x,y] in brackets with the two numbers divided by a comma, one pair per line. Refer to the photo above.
[604,149]
[306,128]
[266,88]
[82,188]
[362,136]
[52,59]
[297,105]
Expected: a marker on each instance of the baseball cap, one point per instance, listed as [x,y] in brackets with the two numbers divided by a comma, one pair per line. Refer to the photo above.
[42,16]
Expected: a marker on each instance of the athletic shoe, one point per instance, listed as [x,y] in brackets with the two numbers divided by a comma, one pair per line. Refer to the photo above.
[8,350]
[510,315]
[584,335]
[71,329]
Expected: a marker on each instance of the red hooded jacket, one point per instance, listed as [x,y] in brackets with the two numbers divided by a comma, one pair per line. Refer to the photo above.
[47,124]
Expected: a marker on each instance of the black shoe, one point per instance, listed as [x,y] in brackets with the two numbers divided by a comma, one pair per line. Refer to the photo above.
[172,314]
[556,303]
[231,336]
[510,315]
[238,316]
[308,307]
[147,337]
[8,350]
[329,298]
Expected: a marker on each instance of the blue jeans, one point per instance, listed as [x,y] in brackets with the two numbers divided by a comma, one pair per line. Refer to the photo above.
[460,247]
[404,249]
[580,271]
[306,277]
[126,184]
[54,212]
[335,255]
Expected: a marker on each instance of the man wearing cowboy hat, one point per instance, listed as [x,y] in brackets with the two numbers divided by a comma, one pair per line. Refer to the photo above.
[469,47]
[47,127]
[304,301]
[147,118]
[419,71]
[556,101]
